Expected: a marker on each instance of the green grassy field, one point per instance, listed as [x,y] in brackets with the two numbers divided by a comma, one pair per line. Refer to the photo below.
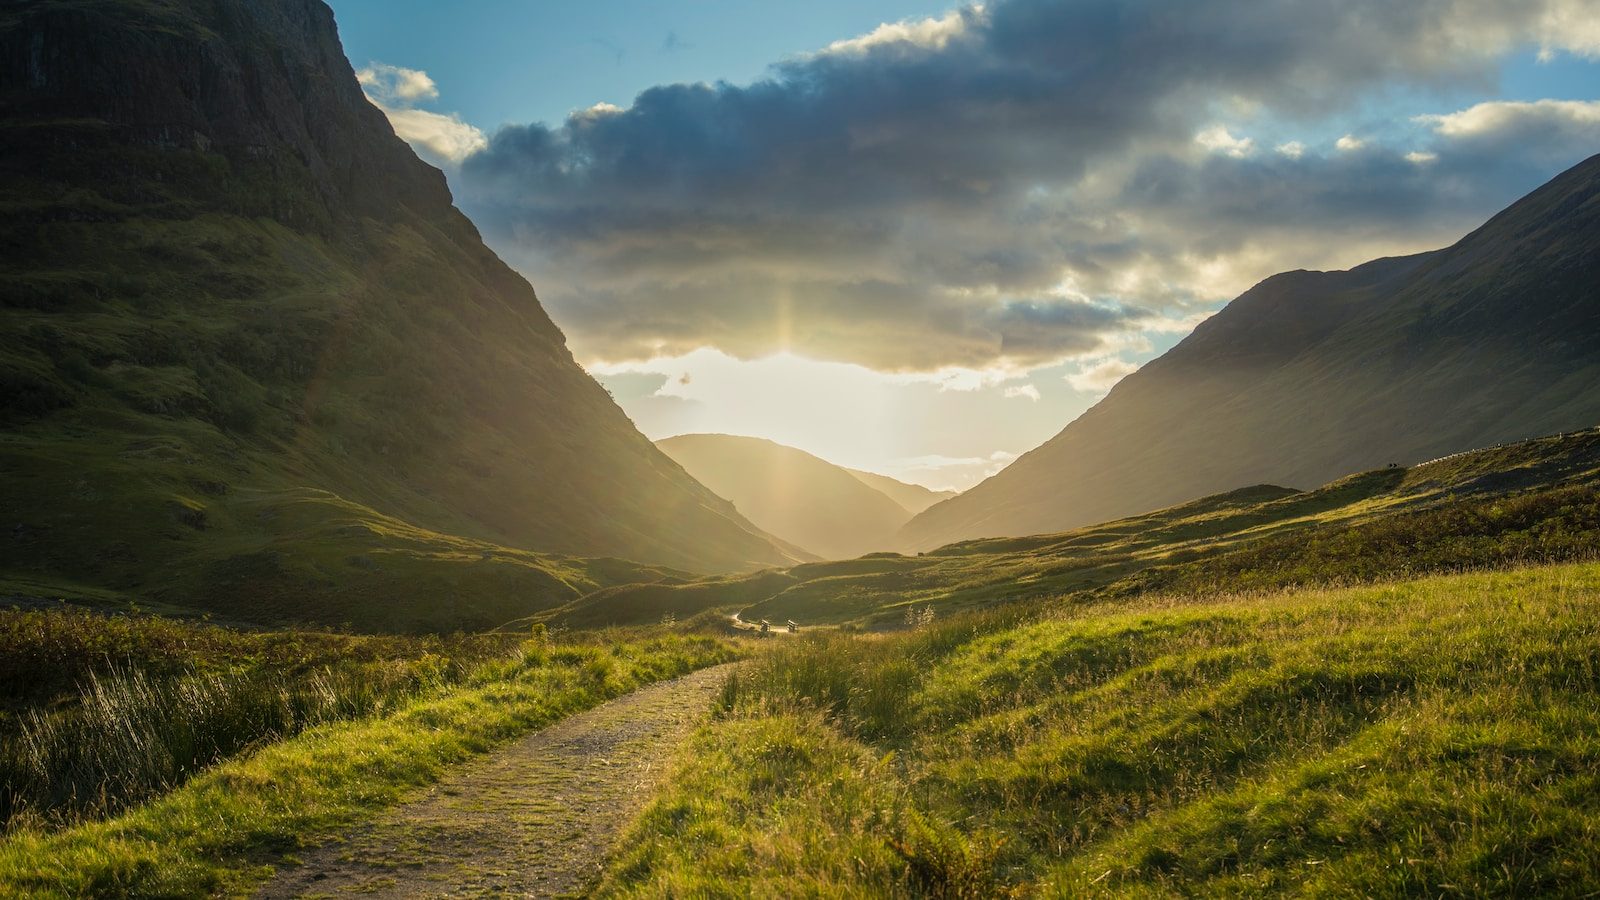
[1534,501]
[1264,692]
[1430,737]
[98,712]
[149,757]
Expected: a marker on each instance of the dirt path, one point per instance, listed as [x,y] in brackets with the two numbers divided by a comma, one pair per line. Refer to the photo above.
[532,819]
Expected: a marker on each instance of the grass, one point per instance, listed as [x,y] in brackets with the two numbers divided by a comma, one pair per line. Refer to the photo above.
[1435,736]
[1533,501]
[101,711]
[1552,524]
[45,654]
[272,761]
[144,520]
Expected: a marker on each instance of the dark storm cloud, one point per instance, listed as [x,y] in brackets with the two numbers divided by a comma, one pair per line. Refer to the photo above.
[897,326]
[1005,185]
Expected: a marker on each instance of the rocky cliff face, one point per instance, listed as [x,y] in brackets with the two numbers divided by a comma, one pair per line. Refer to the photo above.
[1313,375]
[226,282]
[253,82]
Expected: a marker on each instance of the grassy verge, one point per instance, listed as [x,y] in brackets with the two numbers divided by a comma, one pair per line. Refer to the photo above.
[218,831]
[1438,736]
[98,712]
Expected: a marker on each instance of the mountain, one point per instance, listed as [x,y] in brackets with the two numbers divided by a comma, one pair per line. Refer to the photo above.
[1527,502]
[829,510]
[1311,374]
[252,359]
[913,497]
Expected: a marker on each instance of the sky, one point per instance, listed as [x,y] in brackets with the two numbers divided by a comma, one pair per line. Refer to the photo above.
[919,238]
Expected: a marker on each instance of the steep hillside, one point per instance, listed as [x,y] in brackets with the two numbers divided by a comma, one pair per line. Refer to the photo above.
[1313,374]
[823,508]
[253,359]
[914,497]
[1530,501]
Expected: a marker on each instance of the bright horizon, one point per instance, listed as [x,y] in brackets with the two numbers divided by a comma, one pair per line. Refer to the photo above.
[816,228]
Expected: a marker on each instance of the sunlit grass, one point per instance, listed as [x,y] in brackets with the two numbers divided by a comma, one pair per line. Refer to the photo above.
[1532,502]
[215,832]
[1439,735]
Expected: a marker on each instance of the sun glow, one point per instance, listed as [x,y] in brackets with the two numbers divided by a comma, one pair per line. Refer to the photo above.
[945,430]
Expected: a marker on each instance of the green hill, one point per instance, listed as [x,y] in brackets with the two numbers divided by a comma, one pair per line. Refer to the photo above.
[826,509]
[253,360]
[1313,374]
[1424,738]
[1531,500]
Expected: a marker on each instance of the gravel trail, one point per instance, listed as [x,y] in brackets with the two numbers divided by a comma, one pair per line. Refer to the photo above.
[533,819]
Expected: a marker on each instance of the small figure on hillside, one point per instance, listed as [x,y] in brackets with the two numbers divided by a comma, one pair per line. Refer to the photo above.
[766,627]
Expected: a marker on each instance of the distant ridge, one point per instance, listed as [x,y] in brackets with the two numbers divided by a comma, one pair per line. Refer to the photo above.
[1515,503]
[831,511]
[1311,374]
[913,497]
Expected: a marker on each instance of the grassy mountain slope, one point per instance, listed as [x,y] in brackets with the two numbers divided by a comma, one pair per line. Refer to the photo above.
[798,497]
[1312,374]
[1532,500]
[1432,737]
[252,359]
[914,497]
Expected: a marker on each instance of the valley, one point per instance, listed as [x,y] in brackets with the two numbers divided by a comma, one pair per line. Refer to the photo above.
[328,567]
[1528,500]
[828,510]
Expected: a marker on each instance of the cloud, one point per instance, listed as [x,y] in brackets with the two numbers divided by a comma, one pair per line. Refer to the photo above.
[1025,390]
[949,472]
[1504,116]
[1102,376]
[1548,132]
[1218,140]
[1349,144]
[641,393]
[924,34]
[395,84]
[1570,26]
[1004,186]
[440,137]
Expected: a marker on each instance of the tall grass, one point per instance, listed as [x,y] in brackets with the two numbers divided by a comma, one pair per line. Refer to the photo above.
[131,735]
[99,712]
[47,655]
[213,834]
[867,682]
